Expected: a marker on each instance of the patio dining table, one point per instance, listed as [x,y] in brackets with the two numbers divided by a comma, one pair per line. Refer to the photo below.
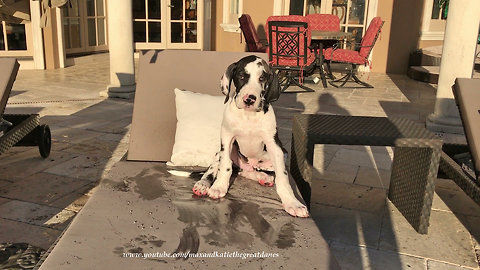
[321,39]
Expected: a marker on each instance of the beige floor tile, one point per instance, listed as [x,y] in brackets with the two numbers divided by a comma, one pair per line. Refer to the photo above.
[355,257]
[373,177]
[436,265]
[42,188]
[447,239]
[365,158]
[35,214]
[347,226]
[30,162]
[348,196]
[19,232]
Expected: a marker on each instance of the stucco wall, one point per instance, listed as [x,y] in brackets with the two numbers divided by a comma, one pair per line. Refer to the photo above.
[429,43]
[227,41]
[400,35]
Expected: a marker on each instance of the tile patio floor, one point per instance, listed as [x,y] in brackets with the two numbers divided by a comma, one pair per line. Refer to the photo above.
[38,198]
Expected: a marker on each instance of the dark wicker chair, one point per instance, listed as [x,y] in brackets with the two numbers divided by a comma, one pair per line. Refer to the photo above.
[354,58]
[461,163]
[250,34]
[19,129]
[289,51]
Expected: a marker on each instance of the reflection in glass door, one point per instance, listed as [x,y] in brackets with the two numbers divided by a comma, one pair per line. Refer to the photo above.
[147,24]
[183,30]
[71,27]
[352,14]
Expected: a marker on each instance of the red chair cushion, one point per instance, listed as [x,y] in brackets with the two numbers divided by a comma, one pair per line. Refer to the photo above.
[368,40]
[323,22]
[341,55]
[285,61]
[250,34]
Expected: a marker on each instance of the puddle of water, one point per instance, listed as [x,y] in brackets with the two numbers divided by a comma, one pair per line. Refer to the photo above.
[226,222]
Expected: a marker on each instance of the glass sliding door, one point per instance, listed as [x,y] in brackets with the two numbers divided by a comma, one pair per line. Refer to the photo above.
[167,24]
[85,26]
[148,24]
[183,29]
[353,15]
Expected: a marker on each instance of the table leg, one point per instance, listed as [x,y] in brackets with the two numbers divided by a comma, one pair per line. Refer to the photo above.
[412,184]
[320,66]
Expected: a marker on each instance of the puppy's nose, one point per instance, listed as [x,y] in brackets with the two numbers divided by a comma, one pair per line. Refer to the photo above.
[249,99]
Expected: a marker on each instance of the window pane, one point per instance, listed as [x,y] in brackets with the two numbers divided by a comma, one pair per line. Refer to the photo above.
[177,32]
[100,9]
[339,8]
[139,32]
[75,33]
[16,39]
[138,9]
[296,7]
[73,10]
[92,34]
[313,6]
[2,40]
[90,7]
[191,10]
[191,32]
[66,33]
[357,12]
[154,32]
[154,9]
[436,10]
[176,10]
[101,31]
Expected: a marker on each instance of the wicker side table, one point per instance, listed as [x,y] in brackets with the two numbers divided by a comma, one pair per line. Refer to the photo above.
[415,163]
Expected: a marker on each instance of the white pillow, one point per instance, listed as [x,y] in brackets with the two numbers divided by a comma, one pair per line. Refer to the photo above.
[199,119]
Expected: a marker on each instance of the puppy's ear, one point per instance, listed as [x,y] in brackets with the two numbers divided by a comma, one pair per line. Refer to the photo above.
[272,87]
[226,81]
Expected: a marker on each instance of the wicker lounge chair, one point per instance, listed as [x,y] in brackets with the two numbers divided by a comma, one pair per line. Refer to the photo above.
[19,129]
[461,163]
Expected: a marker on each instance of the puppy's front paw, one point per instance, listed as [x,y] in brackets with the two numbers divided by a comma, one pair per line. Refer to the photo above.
[218,191]
[295,208]
[201,187]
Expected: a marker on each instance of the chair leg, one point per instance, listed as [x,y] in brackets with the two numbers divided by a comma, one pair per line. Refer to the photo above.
[329,71]
[343,80]
[357,80]
[290,79]
[350,76]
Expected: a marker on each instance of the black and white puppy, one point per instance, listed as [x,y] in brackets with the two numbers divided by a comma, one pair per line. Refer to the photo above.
[249,136]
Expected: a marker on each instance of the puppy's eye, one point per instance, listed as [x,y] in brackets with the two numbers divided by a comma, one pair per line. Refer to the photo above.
[241,77]
[262,78]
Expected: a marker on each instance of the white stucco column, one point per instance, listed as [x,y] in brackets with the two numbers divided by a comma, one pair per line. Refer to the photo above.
[458,58]
[120,44]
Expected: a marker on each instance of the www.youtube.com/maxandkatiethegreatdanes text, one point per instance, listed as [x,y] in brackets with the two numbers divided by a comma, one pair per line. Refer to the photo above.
[214,254]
